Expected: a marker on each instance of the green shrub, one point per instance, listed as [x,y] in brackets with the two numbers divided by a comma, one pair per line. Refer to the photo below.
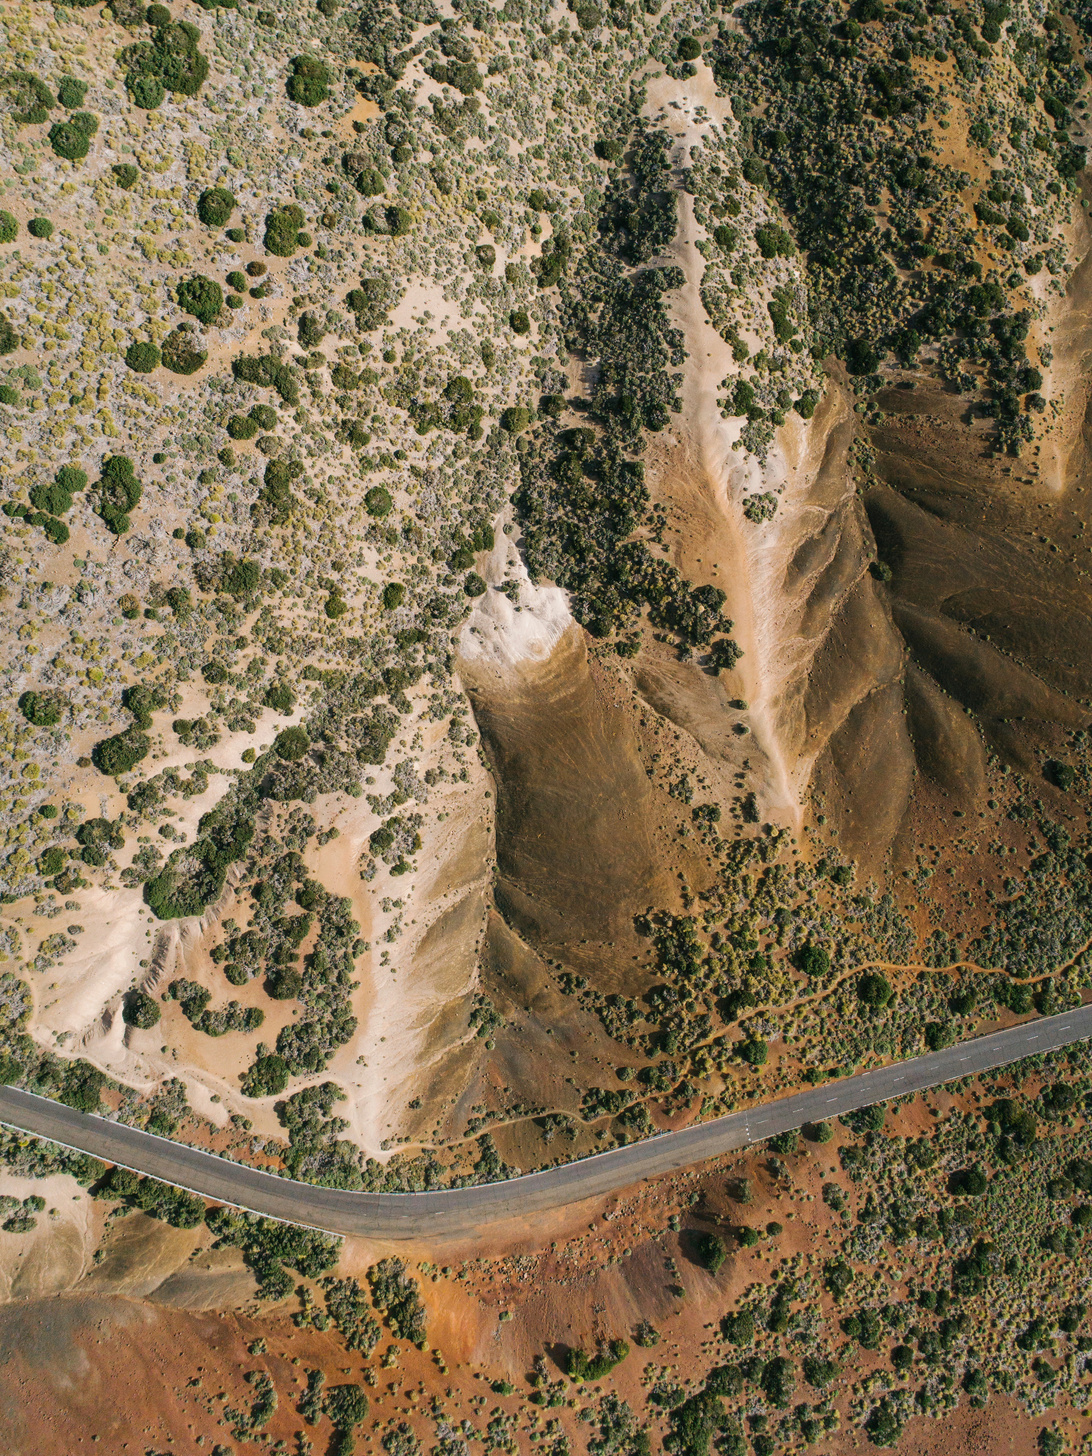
[580,1366]
[291,744]
[394,594]
[538,201]
[725,237]
[40,227]
[201,297]
[280,697]
[51,861]
[158,16]
[72,139]
[118,492]
[169,62]
[474,586]
[515,419]
[267,1077]
[118,755]
[43,709]
[143,357]
[182,352]
[9,339]
[9,227]
[27,98]
[215,206]
[519,321]
[689,49]
[282,227]
[711,1251]
[140,1010]
[125,175]
[8,395]
[774,242]
[51,497]
[308,81]
[242,427]
[486,255]
[70,93]
[609,150]
[378,501]
[148,92]
[874,990]
[241,578]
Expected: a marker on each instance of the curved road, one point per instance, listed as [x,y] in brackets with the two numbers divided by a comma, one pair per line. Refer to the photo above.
[459,1211]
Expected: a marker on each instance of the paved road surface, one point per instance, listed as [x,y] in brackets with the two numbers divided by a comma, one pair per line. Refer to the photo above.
[465,1210]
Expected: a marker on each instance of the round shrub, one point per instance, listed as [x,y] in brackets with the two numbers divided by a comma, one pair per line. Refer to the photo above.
[689,48]
[140,1010]
[215,206]
[519,321]
[399,220]
[182,353]
[264,416]
[142,357]
[51,861]
[609,150]
[157,16]
[70,93]
[283,983]
[117,755]
[515,419]
[291,744]
[148,92]
[394,594]
[40,227]
[282,227]
[8,395]
[474,586]
[378,501]
[268,1077]
[242,427]
[72,139]
[308,81]
[41,709]
[237,280]
[552,406]
[486,254]
[280,697]
[874,989]
[9,339]
[125,175]
[201,297]
[9,227]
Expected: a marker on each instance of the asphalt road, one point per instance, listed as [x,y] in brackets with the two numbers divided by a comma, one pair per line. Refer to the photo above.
[462,1211]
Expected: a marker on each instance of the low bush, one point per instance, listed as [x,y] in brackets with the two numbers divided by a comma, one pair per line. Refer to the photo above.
[169,62]
[125,175]
[519,321]
[9,227]
[40,227]
[394,594]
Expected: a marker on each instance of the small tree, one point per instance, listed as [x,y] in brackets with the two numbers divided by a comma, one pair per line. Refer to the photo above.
[143,357]
[140,1010]
[215,206]
[201,297]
